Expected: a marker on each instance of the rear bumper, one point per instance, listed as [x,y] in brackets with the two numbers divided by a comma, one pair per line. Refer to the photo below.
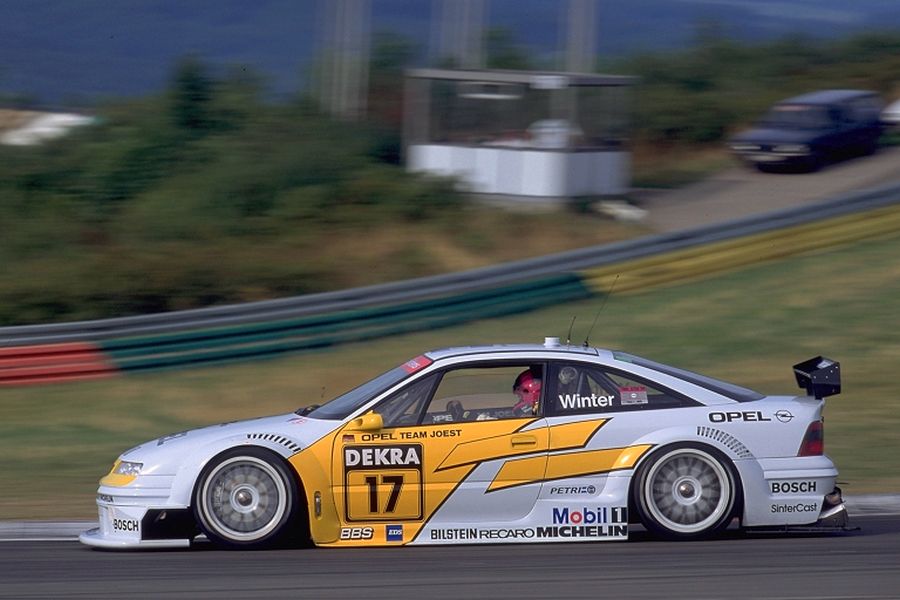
[787,491]
[834,512]
[832,518]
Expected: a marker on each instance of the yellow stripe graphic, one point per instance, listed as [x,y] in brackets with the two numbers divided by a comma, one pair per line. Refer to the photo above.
[575,464]
[565,436]
[499,446]
[573,435]
[519,471]
[561,466]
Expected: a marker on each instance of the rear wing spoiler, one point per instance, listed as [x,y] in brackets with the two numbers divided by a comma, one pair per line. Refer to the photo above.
[819,376]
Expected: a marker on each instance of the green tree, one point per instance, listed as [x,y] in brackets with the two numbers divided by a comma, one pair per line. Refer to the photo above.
[503,52]
[191,95]
[391,55]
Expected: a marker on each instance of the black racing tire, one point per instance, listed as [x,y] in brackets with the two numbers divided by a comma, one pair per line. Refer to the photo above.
[814,163]
[869,147]
[685,492]
[247,498]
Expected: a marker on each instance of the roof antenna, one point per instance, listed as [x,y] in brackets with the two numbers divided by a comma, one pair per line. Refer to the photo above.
[572,324]
[608,294]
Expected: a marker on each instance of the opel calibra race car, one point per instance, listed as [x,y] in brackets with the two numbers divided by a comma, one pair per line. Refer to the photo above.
[513,444]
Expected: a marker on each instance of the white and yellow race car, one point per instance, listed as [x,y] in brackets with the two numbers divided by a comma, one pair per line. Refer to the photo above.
[490,444]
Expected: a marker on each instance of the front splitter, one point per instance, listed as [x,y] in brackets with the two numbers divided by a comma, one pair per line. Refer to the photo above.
[95,538]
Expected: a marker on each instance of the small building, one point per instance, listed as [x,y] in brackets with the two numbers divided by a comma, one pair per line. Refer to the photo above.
[523,134]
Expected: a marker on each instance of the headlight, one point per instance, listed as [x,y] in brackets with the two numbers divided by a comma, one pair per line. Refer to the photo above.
[123,472]
[792,148]
[132,469]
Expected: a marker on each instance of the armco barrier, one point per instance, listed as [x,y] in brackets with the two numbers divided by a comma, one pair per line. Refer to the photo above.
[266,339]
[698,261]
[20,365]
[260,340]
[44,353]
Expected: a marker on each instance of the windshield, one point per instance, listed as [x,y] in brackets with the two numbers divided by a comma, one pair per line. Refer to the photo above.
[796,116]
[346,404]
[729,390]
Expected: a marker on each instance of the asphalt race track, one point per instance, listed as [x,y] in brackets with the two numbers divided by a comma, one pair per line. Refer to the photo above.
[862,564]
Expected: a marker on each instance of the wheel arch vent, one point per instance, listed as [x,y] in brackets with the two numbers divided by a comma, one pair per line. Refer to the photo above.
[276,439]
[726,439]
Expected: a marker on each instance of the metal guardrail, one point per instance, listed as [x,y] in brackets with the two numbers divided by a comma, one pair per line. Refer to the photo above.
[443,285]
[69,361]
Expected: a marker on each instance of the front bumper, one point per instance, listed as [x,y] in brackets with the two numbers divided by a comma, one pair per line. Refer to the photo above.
[96,538]
[139,517]
[772,155]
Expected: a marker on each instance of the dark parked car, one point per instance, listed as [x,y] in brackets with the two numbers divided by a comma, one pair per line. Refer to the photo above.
[808,130]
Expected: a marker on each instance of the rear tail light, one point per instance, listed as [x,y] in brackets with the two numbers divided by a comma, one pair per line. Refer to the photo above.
[813,443]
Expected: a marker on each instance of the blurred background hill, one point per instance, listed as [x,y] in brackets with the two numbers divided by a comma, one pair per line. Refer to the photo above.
[57,52]
[211,176]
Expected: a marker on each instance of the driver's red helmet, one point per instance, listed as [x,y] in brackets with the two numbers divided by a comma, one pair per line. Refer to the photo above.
[528,389]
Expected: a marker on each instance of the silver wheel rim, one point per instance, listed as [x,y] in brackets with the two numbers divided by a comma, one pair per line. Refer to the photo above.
[687,491]
[243,498]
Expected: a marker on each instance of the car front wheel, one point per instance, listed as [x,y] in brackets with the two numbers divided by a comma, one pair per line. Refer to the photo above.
[685,492]
[246,498]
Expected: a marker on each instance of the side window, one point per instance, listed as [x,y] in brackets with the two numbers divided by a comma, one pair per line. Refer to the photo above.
[577,388]
[837,116]
[635,394]
[865,109]
[850,115]
[486,393]
[854,111]
[404,407]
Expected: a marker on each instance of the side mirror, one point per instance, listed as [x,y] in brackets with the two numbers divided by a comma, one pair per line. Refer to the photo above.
[370,421]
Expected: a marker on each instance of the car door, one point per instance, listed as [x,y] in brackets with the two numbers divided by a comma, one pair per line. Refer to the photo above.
[620,407]
[449,447]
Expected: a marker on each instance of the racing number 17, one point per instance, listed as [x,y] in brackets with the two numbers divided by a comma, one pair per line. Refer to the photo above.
[396,483]
[391,494]
[383,482]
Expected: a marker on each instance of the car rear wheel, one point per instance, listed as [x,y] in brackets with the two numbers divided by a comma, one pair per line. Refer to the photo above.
[685,492]
[246,498]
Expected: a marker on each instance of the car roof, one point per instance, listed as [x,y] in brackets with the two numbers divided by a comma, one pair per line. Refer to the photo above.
[826,96]
[551,345]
